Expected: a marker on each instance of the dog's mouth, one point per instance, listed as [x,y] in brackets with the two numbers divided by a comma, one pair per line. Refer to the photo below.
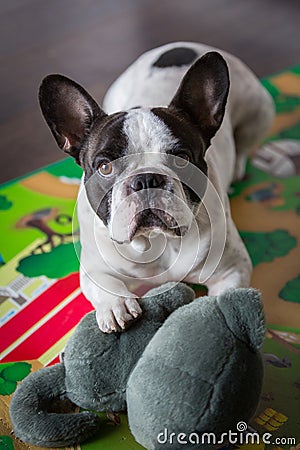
[154,218]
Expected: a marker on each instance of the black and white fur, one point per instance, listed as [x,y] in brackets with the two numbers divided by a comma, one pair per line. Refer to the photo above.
[177,128]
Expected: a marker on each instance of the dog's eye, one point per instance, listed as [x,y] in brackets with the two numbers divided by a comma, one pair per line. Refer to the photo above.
[105,167]
[182,159]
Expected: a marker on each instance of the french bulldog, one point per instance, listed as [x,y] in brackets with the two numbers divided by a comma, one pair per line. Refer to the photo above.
[158,158]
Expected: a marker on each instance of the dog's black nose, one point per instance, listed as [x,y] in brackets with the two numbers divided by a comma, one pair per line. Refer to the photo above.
[147,181]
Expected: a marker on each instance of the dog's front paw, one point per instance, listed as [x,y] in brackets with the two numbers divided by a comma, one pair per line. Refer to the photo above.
[117,314]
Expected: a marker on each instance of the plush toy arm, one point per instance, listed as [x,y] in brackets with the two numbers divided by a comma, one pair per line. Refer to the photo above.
[35,415]
[163,300]
[243,311]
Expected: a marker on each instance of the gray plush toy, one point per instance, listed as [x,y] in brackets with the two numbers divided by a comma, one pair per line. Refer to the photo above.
[93,375]
[201,373]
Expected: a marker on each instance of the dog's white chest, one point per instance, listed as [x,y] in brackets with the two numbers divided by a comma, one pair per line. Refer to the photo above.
[158,258]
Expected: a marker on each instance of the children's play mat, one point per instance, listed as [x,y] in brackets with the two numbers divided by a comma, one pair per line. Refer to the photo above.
[41,301]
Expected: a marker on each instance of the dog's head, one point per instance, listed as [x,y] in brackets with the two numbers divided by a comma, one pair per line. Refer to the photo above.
[144,168]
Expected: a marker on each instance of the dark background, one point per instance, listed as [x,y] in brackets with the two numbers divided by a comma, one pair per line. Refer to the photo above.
[93,41]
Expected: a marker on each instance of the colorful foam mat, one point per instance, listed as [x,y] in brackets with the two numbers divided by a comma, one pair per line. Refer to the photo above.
[40,298]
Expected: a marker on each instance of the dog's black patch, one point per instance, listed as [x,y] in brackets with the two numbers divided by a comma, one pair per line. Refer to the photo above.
[179,56]
[106,141]
[99,197]
[190,142]
[103,210]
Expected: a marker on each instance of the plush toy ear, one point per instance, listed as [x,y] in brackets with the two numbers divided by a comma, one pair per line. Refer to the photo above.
[69,111]
[161,301]
[243,312]
[203,93]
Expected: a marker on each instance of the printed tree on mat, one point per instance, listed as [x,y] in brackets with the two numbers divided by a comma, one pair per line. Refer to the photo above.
[291,291]
[265,247]
[58,263]
[56,257]
[39,220]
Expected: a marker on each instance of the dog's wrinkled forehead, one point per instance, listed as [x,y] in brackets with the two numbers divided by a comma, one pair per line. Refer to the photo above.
[147,133]
[137,138]
[145,137]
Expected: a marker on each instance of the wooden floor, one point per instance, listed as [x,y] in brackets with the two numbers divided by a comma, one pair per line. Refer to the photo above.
[92,41]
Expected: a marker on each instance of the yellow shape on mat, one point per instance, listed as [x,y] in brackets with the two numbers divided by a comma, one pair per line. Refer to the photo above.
[48,184]
[56,349]
[287,83]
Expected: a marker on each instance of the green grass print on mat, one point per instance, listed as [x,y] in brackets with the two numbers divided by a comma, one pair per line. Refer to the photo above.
[10,374]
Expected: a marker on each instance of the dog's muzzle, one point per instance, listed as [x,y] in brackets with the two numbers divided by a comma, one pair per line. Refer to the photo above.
[147,201]
[152,217]
[155,218]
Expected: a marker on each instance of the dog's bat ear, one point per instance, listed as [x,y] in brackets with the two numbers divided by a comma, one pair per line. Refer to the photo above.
[203,93]
[69,111]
